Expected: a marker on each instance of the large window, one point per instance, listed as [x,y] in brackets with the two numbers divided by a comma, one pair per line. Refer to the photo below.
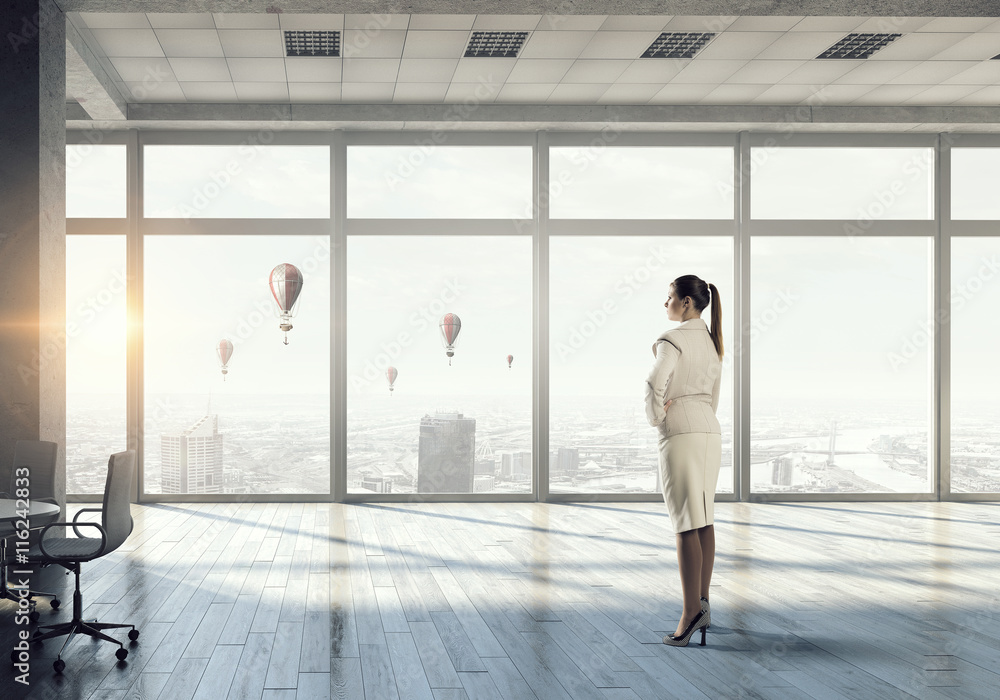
[263,426]
[95,181]
[975,181]
[840,396]
[419,421]
[606,299]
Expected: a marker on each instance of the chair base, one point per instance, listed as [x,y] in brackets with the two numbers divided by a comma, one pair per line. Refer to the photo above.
[91,629]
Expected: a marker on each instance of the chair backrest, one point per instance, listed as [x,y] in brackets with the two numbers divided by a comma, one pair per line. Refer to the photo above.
[41,457]
[117,515]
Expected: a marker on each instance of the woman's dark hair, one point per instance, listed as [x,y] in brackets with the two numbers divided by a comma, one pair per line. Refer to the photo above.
[699,291]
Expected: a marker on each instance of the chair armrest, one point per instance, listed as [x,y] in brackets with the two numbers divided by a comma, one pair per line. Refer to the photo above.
[77,515]
[41,540]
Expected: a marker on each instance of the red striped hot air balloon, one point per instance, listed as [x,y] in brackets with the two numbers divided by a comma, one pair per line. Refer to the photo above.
[391,374]
[225,350]
[450,326]
[510,359]
[286,284]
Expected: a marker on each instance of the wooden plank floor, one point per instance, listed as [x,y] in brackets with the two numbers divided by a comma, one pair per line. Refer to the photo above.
[514,601]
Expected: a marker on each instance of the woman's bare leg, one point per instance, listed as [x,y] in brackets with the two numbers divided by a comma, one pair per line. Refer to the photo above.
[689,560]
[707,537]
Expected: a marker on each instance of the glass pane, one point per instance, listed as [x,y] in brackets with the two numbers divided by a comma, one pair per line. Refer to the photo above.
[439,182]
[858,184]
[840,370]
[96,183]
[237,182]
[263,425]
[607,295]
[975,181]
[595,182]
[975,377]
[96,339]
[458,425]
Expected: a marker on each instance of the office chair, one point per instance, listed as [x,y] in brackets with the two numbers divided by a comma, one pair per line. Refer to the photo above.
[115,527]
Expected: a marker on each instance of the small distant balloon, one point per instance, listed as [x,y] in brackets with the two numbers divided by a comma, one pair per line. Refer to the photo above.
[286,284]
[450,326]
[510,359]
[391,375]
[225,350]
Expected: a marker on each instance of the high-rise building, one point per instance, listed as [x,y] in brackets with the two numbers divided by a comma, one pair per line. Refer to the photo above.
[515,466]
[192,460]
[569,460]
[446,459]
[781,471]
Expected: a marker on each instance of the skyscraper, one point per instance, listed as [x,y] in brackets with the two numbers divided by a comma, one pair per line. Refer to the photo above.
[192,460]
[446,460]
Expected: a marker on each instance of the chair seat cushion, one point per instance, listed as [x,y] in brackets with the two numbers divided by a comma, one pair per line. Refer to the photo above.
[67,548]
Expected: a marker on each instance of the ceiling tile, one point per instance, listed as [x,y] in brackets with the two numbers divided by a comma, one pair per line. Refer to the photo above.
[986,96]
[801,45]
[577,94]
[441,22]
[252,43]
[841,94]
[957,24]
[366,92]
[653,70]
[786,95]
[435,44]
[892,25]
[941,95]
[200,43]
[681,94]
[931,72]
[875,72]
[818,72]
[139,69]
[460,92]
[708,72]
[730,45]
[630,94]
[995,27]
[314,92]
[201,69]
[889,94]
[699,23]
[607,44]
[483,70]
[319,69]
[525,92]
[763,72]
[426,70]
[977,47]
[181,20]
[506,22]
[257,70]
[843,25]
[375,23]
[555,44]
[595,71]
[420,93]
[261,92]
[314,22]
[917,46]
[209,92]
[245,21]
[156,92]
[634,23]
[359,43]
[570,22]
[128,42]
[733,94]
[769,23]
[114,20]
[370,70]
[985,73]
[539,70]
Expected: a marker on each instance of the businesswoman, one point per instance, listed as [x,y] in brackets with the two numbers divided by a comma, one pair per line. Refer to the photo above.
[682,395]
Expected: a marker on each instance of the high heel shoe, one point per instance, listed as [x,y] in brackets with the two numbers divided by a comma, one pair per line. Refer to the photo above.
[708,611]
[700,621]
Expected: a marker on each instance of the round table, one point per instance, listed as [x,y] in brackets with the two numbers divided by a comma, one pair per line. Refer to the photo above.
[37,510]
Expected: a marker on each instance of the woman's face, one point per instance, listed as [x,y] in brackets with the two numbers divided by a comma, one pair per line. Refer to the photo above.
[675,306]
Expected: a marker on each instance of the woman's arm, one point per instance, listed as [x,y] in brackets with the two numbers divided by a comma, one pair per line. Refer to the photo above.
[666,359]
[715,389]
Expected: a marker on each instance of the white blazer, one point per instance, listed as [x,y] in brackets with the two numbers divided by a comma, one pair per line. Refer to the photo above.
[688,370]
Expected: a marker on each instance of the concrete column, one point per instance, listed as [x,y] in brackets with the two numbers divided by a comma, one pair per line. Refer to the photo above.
[32,227]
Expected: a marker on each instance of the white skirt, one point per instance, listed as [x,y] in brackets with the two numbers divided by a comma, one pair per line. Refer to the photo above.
[689,473]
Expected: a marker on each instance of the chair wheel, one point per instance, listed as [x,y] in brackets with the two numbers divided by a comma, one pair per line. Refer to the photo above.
[59,665]
[133,635]
[34,615]
[55,603]
[121,654]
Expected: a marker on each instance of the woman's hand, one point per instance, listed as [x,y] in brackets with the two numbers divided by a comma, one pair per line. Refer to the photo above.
[667,405]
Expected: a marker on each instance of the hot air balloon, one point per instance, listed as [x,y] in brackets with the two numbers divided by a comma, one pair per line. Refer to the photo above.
[225,350]
[450,325]
[286,283]
[391,374]
[510,359]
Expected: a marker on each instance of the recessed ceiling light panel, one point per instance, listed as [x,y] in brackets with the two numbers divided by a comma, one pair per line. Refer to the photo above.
[677,44]
[495,44]
[859,45]
[312,43]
